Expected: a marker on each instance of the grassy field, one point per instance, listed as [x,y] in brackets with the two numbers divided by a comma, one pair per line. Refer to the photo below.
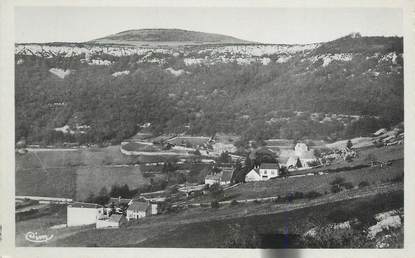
[189,140]
[92,179]
[75,174]
[281,230]
[136,146]
[67,158]
[52,182]
[209,227]
[42,226]
[319,183]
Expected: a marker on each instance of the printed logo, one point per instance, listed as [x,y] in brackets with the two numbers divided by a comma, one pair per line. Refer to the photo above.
[34,237]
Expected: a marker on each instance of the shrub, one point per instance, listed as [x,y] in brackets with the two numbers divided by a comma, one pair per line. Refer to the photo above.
[313,163]
[296,195]
[348,158]
[337,181]
[371,157]
[398,178]
[257,201]
[347,185]
[214,204]
[364,183]
[216,191]
[335,188]
[312,195]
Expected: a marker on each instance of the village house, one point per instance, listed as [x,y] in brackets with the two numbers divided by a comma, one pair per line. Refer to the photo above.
[114,221]
[302,157]
[140,209]
[118,202]
[223,177]
[79,213]
[137,210]
[263,172]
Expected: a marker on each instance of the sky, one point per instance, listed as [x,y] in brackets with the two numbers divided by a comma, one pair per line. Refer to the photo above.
[265,25]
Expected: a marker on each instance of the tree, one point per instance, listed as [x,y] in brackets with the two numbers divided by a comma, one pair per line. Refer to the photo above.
[349,144]
[216,191]
[298,163]
[225,157]
[103,196]
[283,171]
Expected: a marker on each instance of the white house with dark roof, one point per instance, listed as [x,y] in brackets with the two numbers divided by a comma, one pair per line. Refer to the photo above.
[269,170]
[263,172]
[80,213]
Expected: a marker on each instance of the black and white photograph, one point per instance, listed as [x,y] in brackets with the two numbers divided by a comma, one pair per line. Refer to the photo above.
[209,127]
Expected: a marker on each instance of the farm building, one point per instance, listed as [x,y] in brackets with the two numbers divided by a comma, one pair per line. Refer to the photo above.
[79,214]
[223,147]
[120,201]
[212,179]
[222,178]
[302,157]
[380,132]
[263,172]
[140,209]
[253,175]
[114,221]
[137,210]
[269,170]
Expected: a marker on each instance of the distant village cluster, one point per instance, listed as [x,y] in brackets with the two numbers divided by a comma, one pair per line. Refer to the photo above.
[262,163]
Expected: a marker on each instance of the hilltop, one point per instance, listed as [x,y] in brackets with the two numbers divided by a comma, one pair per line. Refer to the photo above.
[167,37]
[251,90]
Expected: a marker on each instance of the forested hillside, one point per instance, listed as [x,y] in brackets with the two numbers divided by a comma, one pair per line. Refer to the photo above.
[257,91]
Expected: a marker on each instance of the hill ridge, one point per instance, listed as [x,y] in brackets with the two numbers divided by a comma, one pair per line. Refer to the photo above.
[173,36]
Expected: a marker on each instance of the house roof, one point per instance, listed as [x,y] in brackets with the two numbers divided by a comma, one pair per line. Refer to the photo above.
[216,176]
[115,217]
[292,161]
[255,170]
[307,155]
[119,201]
[138,206]
[380,131]
[226,175]
[84,205]
[269,166]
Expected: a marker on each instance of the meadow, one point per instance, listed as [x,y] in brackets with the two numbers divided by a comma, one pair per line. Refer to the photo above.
[75,174]
[233,225]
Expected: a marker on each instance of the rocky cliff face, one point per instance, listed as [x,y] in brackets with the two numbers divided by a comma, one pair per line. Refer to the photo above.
[212,87]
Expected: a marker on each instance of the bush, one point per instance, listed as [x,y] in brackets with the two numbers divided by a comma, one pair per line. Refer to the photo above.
[337,181]
[216,191]
[214,204]
[257,201]
[347,185]
[296,195]
[398,178]
[364,183]
[335,188]
[312,195]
